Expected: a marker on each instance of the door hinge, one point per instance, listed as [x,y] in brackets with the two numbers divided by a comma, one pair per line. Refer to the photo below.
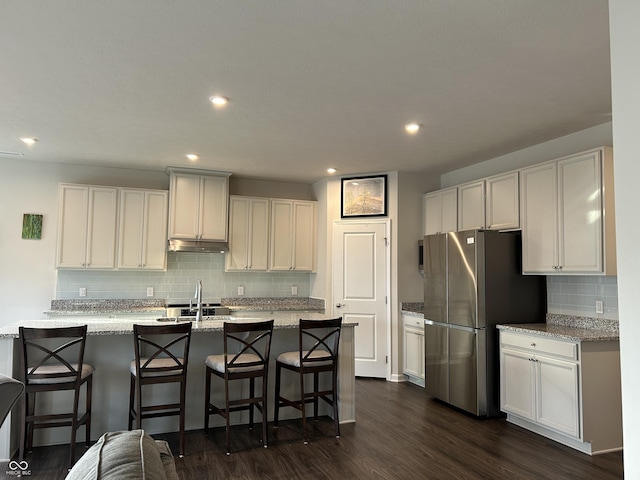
[386,359]
[385,299]
[386,242]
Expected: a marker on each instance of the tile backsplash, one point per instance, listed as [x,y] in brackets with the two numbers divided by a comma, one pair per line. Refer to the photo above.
[178,282]
[577,295]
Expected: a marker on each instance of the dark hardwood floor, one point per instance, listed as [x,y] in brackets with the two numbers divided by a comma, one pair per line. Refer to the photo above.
[400,433]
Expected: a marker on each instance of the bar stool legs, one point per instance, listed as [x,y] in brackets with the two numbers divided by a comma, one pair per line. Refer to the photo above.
[48,368]
[246,356]
[161,356]
[317,353]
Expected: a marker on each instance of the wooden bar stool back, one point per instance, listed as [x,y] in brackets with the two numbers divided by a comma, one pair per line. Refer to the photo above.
[246,356]
[53,360]
[317,353]
[161,356]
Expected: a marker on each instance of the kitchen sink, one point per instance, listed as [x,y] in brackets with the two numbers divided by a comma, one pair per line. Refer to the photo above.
[193,319]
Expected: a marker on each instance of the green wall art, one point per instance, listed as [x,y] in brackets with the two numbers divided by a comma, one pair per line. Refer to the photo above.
[32,226]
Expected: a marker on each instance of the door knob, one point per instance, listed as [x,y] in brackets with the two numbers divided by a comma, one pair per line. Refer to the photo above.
[340,305]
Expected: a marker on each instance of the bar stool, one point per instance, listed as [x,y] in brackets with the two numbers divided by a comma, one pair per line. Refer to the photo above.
[10,392]
[47,356]
[246,355]
[317,352]
[161,356]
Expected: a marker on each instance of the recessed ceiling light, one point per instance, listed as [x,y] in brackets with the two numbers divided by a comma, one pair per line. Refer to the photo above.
[331,170]
[29,140]
[412,127]
[219,100]
[192,156]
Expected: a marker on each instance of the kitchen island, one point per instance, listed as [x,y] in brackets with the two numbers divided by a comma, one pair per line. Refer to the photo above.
[109,349]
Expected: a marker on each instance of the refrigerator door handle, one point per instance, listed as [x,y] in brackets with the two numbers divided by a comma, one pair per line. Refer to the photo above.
[452,325]
[466,329]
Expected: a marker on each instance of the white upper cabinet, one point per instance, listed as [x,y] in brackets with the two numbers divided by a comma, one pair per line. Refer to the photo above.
[503,202]
[248,234]
[440,211]
[198,205]
[87,222]
[143,229]
[471,206]
[568,216]
[293,235]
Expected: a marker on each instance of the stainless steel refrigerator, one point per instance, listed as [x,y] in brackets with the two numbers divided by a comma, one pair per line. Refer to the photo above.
[472,282]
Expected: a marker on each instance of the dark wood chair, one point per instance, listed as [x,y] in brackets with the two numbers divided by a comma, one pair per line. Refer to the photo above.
[246,356]
[53,360]
[317,353]
[161,356]
[10,391]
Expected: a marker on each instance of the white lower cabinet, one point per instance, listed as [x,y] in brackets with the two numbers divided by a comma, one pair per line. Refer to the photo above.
[565,390]
[413,361]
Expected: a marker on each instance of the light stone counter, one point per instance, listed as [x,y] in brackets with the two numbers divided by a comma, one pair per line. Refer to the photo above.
[571,327]
[563,332]
[122,324]
[110,350]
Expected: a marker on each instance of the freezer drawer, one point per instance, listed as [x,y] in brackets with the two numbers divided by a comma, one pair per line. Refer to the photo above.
[437,361]
[467,374]
[455,366]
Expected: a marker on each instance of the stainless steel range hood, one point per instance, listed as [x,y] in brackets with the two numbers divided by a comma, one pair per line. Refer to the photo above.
[197,246]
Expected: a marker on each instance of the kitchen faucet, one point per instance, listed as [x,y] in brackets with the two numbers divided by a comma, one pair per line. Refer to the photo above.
[198,297]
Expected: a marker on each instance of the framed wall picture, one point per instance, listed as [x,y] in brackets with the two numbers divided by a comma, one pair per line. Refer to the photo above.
[364,197]
[32,226]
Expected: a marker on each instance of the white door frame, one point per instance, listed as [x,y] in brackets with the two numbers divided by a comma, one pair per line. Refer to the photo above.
[387,283]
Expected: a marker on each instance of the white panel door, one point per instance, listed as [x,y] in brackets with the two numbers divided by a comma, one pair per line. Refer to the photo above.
[538,204]
[517,383]
[72,226]
[214,207]
[360,291]
[580,207]
[471,206]
[558,399]
[101,227]
[503,202]
[154,243]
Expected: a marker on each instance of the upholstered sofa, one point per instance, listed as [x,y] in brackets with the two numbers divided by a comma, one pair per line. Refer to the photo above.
[126,455]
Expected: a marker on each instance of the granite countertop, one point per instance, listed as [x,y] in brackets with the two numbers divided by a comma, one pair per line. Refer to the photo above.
[106,307]
[102,325]
[158,306]
[273,303]
[413,308]
[570,327]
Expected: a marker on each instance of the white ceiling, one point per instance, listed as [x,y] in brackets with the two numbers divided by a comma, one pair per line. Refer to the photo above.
[312,84]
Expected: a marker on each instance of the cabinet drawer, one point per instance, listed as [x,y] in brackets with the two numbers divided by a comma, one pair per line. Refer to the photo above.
[540,344]
[410,321]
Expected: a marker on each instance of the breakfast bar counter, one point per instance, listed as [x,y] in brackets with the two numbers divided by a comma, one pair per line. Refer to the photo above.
[109,349]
